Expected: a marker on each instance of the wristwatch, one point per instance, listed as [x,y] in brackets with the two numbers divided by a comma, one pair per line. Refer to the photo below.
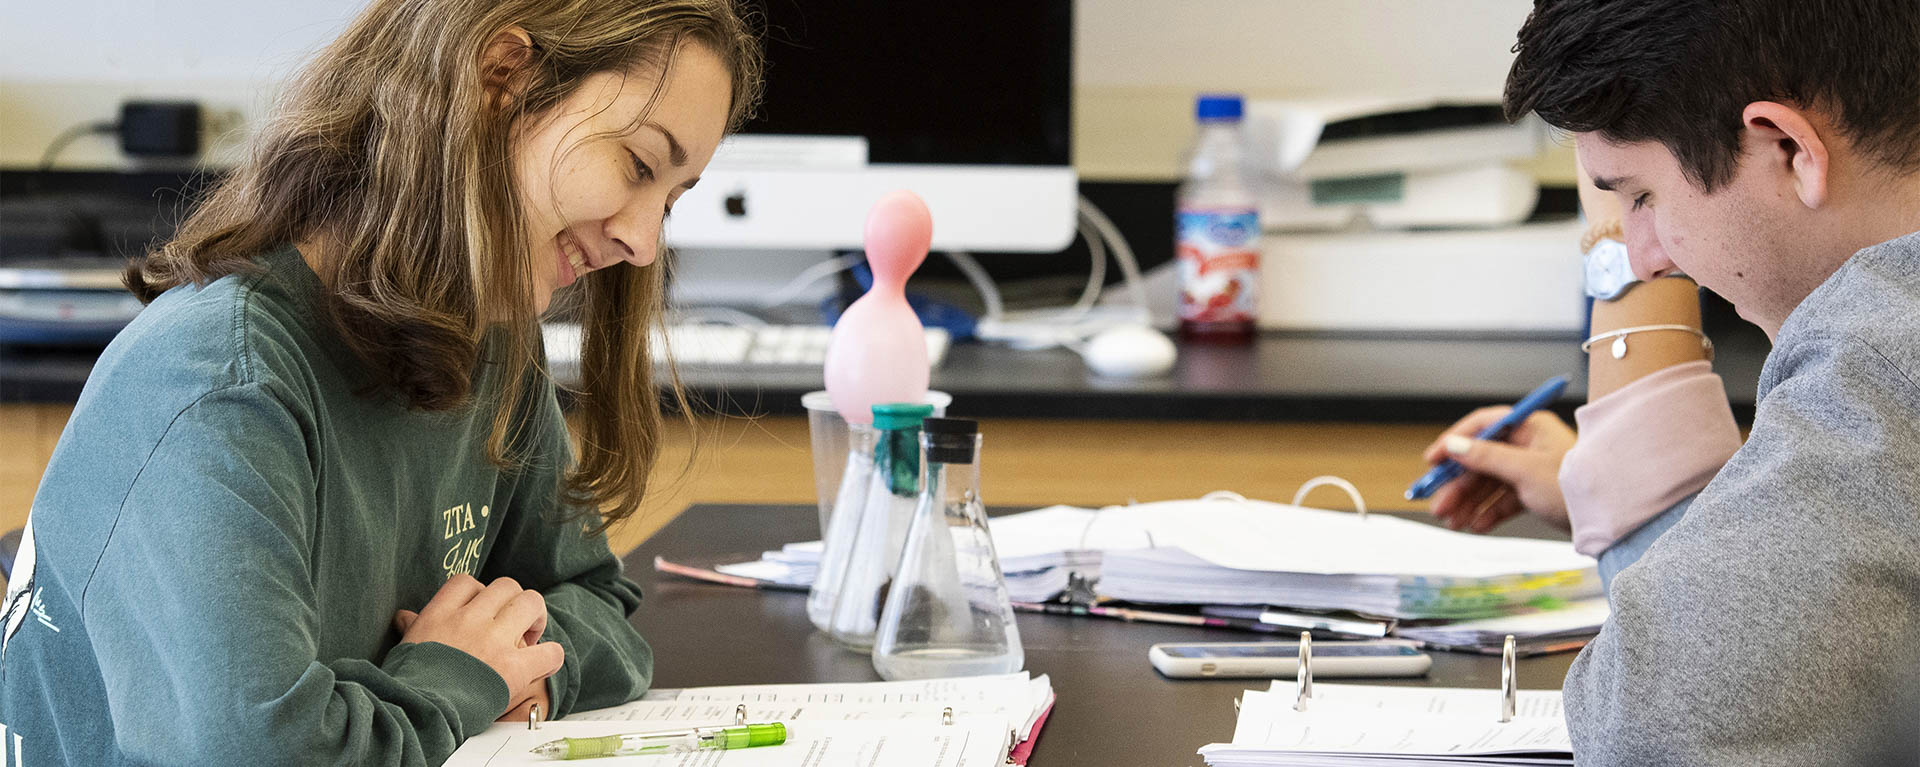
[1608,272]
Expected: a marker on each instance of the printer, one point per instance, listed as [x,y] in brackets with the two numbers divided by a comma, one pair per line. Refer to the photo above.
[60,261]
[1400,215]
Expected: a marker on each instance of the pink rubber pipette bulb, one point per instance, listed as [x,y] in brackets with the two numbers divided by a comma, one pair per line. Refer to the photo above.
[878,351]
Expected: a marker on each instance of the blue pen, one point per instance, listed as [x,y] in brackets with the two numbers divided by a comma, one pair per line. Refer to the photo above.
[1446,470]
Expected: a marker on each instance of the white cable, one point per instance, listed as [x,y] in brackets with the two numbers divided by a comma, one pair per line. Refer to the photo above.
[716,315]
[1129,268]
[1059,330]
[1068,326]
[989,292]
[1097,276]
[808,276]
[976,274]
[1090,295]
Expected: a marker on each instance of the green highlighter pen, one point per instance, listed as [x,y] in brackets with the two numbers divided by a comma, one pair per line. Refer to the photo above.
[666,741]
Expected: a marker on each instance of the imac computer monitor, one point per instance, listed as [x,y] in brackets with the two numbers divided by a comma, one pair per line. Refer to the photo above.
[966,104]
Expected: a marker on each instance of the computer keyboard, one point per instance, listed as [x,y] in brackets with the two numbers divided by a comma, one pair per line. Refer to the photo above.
[714,346]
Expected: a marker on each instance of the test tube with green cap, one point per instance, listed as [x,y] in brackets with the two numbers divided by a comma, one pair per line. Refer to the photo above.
[881,529]
[666,741]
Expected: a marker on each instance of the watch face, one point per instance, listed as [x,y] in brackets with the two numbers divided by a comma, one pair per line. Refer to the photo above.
[1608,272]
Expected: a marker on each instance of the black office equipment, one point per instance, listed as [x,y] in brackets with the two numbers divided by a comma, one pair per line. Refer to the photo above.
[160,128]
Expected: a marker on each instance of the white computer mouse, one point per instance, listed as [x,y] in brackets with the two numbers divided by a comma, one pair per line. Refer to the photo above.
[1129,351]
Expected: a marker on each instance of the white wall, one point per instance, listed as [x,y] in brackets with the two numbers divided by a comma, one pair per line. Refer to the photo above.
[64,62]
[1138,63]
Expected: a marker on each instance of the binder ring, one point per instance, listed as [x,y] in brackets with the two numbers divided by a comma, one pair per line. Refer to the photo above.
[1328,479]
[946,716]
[740,714]
[533,717]
[1507,681]
[1303,671]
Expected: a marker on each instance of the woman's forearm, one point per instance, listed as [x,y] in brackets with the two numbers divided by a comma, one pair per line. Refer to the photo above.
[1665,301]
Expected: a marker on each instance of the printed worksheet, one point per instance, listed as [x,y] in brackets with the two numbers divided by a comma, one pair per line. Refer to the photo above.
[1016,697]
[975,742]
[931,692]
[1398,731]
[1467,703]
[724,712]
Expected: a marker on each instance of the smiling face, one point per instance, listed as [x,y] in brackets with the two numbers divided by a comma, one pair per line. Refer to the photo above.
[595,190]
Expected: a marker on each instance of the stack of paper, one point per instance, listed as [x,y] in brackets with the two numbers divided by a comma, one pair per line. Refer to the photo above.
[1399,726]
[1241,552]
[1252,552]
[1038,551]
[1533,632]
[834,723]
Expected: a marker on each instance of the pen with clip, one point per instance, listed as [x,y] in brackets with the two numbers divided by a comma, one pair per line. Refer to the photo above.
[665,741]
[1447,470]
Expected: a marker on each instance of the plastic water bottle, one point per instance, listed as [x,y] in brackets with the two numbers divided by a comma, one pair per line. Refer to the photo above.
[947,613]
[1217,229]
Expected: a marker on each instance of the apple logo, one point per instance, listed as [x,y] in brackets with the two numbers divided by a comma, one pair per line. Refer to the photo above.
[737,204]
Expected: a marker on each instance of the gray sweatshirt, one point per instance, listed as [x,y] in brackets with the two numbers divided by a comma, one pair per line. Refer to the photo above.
[1774,623]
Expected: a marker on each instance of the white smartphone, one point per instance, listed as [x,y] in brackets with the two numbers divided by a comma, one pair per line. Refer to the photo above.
[1276,660]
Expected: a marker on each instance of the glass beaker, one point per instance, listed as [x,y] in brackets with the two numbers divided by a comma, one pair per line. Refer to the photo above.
[881,527]
[831,446]
[947,613]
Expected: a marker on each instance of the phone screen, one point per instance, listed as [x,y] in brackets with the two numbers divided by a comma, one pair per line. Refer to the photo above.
[1287,650]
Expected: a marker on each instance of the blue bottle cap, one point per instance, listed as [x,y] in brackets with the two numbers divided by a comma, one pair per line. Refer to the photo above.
[1218,106]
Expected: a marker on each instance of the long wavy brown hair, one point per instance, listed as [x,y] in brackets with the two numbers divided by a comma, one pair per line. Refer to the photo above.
[388,146]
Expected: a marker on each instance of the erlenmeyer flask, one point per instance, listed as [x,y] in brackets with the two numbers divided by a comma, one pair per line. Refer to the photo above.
[947,613]
[837,540]
[881,527]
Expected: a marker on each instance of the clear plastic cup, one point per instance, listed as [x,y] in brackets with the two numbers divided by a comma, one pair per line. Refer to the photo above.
[828,433]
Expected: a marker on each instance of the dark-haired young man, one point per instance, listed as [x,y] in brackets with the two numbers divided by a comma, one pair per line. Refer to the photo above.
[1770,149]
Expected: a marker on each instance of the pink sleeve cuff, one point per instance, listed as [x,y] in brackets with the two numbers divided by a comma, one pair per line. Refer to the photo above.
[1642,449]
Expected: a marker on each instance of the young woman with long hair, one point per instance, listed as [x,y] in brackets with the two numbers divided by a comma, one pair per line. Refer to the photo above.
[318,503]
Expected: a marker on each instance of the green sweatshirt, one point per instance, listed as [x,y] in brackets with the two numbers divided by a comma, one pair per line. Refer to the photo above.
[227,526]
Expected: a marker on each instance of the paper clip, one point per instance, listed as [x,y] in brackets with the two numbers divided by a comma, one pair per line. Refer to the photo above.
[533,717]
[1508,694]
[740,714]
[1303,673]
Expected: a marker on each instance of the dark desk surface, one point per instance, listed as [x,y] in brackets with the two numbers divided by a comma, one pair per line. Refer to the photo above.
[1281,377]
[1113,708]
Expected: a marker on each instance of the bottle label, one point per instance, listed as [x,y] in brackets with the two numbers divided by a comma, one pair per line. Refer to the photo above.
[1218,251]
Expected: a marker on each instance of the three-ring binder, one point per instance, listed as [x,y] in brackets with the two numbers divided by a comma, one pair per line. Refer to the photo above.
[1509,678]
